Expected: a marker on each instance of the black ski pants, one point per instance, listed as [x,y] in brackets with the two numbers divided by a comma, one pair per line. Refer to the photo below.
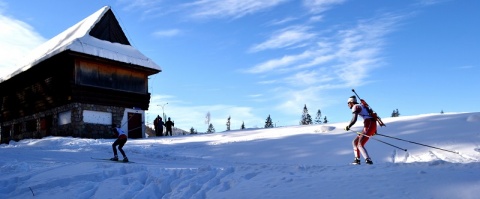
[119,142]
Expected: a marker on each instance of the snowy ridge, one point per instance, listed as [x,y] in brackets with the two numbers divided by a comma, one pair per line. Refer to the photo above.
[287,162]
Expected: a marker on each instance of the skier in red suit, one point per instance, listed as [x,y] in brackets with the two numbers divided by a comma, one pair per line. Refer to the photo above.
[369,129]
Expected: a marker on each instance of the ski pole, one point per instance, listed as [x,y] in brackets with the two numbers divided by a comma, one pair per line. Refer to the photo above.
[127,121]
[418,143]
[380,141]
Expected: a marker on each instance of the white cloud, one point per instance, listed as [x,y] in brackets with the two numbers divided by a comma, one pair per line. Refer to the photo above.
[308,78]
[255,95]
[147,8]
[282,21]
[316,18]
[229,8]
[318,6]
[17,39]
[268,82]
[297,98]
[145,5]
[278,64]
[430,2]
[355,50]
[466,67]
[167,33]
[359,48]
[286,37]
[335,59]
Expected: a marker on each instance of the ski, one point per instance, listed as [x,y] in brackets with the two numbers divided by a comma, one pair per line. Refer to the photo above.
[107,159]
[359,164]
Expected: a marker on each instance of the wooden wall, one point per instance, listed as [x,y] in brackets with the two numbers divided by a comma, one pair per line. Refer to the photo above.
[73,77]
[30,99]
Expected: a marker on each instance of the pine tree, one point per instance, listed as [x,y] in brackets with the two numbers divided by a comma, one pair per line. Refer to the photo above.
[228,123]
[441,112]
[193,131]
[395,113]
[318,119]
[268,123]
[325,120]
[243,125]
[211,129]
[306,118]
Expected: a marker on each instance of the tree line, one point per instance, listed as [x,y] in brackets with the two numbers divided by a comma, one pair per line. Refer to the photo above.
[306,119]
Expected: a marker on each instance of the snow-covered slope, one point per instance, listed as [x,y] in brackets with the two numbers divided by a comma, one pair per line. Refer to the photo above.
[288,162]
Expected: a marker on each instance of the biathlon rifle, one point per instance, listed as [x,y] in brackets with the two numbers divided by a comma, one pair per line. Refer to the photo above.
[370,110]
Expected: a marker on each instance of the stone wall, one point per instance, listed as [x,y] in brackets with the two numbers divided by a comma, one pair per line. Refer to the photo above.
[46,123]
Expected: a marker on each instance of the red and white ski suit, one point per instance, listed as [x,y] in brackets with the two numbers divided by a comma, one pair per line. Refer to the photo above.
[369,129]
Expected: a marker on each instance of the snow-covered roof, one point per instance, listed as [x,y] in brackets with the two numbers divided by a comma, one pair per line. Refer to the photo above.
[78,39]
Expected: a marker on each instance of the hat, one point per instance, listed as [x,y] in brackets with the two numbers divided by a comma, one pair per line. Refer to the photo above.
[352,99]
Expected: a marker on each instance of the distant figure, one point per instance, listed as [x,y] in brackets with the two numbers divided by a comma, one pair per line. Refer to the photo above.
[158,125]
[121,140]
[369,129]
[169,124]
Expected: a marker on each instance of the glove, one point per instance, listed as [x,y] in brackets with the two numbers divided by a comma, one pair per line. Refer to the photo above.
[347,128]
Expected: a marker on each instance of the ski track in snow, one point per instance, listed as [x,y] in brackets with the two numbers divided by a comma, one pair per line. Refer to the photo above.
[240,165]
[136,179]
[150,181]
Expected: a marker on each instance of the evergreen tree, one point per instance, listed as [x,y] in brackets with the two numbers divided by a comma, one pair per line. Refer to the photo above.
[268,123]
[325,120]
[395,113]
[243,125]
[441,112]
[192,131]
[318,119]
[306,118]
[210,129]
[228,123]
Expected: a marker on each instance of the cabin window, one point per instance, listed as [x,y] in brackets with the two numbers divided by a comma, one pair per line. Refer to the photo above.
[110,76]
[97,117]
[65,118]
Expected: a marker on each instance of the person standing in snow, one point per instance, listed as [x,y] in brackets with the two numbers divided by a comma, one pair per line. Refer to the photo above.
[169,124]
[369,129]
[120,142]
[158,124]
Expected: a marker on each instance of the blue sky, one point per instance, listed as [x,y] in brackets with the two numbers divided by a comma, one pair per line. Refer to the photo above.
[249,58]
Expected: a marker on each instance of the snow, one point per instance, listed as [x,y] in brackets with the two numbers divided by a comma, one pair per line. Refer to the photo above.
[287,162]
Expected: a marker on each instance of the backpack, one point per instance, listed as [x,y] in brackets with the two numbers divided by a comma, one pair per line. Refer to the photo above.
[372,113]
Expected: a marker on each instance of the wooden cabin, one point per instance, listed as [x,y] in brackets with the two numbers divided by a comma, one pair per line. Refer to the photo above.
[79,83]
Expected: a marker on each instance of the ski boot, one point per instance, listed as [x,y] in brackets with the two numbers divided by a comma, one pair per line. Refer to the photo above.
[125,159]
[368,161]
[356,161]
[115,158]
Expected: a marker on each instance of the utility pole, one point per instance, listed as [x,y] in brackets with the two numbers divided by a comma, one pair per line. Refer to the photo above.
[163,111]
